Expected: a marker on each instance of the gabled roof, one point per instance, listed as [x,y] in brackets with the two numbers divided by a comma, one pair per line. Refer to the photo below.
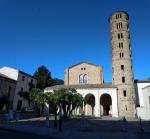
[18,71]
[6,77]
[83,62]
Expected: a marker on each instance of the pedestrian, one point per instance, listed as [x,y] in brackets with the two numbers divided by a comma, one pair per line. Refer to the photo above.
[124,122]
[60,120]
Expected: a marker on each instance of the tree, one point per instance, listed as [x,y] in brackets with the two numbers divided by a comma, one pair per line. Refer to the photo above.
[51,100]
[24,94]
[43,76]
[44,79]
[67,99]
[55,81]
[39,98]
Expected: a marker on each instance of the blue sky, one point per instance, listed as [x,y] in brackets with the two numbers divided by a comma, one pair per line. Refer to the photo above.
[60,33]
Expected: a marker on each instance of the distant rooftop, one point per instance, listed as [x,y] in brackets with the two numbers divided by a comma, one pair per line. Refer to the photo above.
[18,71]
[142,81]
[4,76]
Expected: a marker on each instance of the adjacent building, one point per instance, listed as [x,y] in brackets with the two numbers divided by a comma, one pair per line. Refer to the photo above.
[7,88]
[142,88]
[23,81]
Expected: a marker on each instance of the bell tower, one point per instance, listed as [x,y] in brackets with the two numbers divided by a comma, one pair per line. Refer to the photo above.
[121,56]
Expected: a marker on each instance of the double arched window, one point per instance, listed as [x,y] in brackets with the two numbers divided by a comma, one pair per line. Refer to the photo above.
[83,78]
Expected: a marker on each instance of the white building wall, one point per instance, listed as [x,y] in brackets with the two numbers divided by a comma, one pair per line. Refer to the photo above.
[98,92]
[144,111]
[140,86]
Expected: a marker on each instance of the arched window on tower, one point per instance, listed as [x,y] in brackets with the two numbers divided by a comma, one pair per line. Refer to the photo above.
[123,79]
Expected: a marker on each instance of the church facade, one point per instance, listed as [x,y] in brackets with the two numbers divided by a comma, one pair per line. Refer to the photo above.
[117,98]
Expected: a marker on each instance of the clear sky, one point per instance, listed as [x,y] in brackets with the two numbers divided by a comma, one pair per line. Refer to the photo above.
[60,33]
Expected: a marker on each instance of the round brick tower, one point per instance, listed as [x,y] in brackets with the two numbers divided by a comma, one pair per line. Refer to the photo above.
[122,72]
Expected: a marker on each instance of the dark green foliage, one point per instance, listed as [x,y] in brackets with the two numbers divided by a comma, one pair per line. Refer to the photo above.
[39,98]
[55,81]
[24,95]
[66,99]
[43,76]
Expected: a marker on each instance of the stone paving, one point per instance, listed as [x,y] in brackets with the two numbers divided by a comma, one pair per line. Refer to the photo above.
[82,128]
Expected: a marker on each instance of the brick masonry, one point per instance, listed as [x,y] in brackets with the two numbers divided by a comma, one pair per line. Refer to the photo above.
[94,73]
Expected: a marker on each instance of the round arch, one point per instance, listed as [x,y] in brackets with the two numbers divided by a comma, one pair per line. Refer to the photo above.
[89,104]
[105,104]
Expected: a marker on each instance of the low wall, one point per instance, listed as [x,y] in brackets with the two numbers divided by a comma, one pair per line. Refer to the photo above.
[143,113]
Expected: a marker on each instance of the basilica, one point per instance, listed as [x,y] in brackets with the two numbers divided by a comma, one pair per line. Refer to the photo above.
[124,96]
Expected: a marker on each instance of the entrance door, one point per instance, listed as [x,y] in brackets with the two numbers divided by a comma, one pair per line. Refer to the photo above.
[107,109]
[105,102]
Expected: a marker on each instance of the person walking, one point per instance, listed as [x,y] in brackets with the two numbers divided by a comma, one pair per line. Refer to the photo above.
[60,120]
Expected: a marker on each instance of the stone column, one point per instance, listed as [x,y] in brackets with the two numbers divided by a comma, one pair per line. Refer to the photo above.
[97,106]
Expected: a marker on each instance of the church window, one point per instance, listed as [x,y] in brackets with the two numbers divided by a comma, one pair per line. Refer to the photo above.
[80,78]
[120,44]
[126,107]
[121,35]
[122,67]
[122,55]
[119,25]
[118,36]
[118,16]
[81,68]
[83,78]
[123,79]
[124,93]
[84,68]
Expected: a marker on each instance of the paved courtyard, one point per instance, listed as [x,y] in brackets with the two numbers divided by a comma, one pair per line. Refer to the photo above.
[105,127]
